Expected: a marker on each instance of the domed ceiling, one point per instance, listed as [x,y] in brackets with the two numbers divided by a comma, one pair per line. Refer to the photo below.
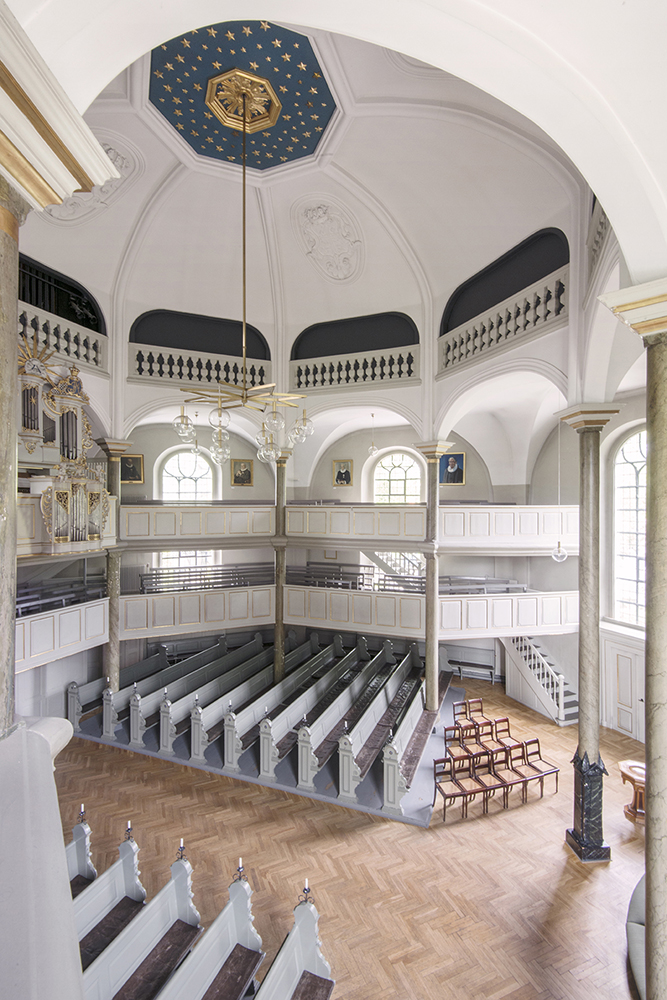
[197,82]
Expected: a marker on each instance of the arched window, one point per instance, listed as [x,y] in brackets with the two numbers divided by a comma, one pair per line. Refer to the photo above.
[630,530]
[397,479]
[187,477]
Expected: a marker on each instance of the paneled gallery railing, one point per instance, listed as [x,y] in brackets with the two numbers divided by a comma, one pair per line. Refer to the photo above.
[397,364]
[70,342]
[534,310]
[160,364]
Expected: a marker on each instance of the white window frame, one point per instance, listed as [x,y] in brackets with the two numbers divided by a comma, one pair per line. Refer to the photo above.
[637,621]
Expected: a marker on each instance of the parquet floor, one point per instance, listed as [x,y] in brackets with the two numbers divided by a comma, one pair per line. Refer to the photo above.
[487,908]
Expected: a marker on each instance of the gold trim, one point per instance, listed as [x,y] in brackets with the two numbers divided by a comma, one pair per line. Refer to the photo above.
[25,174]
[19,97]
[629,306]
[167,534]
[189,513]
[658,325]
[9,224]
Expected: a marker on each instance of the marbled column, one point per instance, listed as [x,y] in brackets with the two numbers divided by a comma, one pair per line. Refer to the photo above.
[13,211]
[586,837]
[111,651]
[432,450]
[280,543]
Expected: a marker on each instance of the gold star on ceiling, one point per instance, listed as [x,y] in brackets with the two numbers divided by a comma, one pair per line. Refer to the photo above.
[212,32]
[247,31]
[264,25]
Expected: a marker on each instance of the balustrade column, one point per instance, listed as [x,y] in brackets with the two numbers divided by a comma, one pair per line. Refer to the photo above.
[280,546]
[644,309]
[586,837]
[432,450]
[13,211]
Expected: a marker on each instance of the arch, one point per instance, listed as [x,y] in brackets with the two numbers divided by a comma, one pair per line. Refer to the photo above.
[527,262]
[169,453]
[46,288]
[371,463]
[381,331]
[397,478]
[207,334]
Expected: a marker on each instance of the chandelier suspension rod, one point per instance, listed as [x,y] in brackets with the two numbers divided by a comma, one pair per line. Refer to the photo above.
[244,248]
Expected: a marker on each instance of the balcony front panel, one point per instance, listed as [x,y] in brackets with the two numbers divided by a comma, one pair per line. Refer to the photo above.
[151,615]
[159,523]
[378,522]
[51,635]
[494,615]
[526,530]
[356,611]
[32,536]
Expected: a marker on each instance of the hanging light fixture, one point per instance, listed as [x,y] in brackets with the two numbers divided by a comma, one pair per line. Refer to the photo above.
[373,450]
[243,96]
[559,554]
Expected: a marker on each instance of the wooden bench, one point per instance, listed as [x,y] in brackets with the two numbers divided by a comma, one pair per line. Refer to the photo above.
[241,727]
[116,704]
[108,904]
[139,961]
[358,748]
[299,971]
[80,867]
[145,713]
[85,698]
[224,961]
[318,738]
[398,767]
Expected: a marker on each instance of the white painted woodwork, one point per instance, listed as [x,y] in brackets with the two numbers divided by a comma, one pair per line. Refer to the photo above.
[622,679]
[497,615]
[151,615]
[33,539]
[233,925]
[358,610]
[181,367]
[522,684]
[394,785]
[372,522]
[154,523]
[51,635]
[362,370]
[498,529]
[301,951]
[118,881]
[79,859]
[104,977]
[67,342]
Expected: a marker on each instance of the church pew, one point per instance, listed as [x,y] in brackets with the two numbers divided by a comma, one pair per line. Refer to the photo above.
[169,920]
[257,672]
[275,730]
[225,958]
[395,780]
[318,740]
[116,704]
[83,698]
[80,867]
[299,971]
[142,709]
[351,770]
[109,903]
[242,730]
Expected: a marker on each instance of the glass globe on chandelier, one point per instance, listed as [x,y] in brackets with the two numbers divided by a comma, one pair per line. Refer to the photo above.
[373,450]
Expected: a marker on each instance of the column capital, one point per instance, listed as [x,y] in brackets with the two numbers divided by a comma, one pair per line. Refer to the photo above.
[584,416]
[113,449]
[641,307]
[284,456]
[432,450]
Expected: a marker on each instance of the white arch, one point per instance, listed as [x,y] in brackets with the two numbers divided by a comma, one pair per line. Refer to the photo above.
[555,71]
[371,463]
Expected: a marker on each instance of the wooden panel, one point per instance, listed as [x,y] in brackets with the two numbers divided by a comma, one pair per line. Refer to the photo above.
[414,523]
[389,523]
[19,642]
[571,616]
[624,720]
[451,615]
[477,614]
[164,522]
[296,603]
[385,611]
[69,627]
[25,521]
[214,608]
[528,523]
[340,522]
[503,523]
[624,681]
[138,524]
[339,607]
[239,522]
[551,610]
[362,609]
[136,613]
[261,603]
[215,522]
[189,609]
[526,611]
[317,522]
[364,522]
[454,524]
[410,613]
[261,522]
[501,612]
[551,522]
[43,635]
[238,605]
[295,521]
[163,612]
[572,522]
[317,605]
[191,522]
[480,524]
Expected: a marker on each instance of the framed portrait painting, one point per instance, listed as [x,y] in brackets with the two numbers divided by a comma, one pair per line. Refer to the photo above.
[453,468]
[242,471]
[131,469]
[342,472]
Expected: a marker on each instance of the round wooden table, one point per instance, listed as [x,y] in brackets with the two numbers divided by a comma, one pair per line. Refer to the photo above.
[634,772]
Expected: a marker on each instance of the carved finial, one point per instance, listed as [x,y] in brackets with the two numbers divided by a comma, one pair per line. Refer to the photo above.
[180,854]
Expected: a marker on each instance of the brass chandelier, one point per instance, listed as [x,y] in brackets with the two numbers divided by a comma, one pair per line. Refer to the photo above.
[240,98]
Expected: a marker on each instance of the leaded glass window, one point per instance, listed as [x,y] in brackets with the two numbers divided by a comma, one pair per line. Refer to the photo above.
[397,479]
[187,477]
[630,530]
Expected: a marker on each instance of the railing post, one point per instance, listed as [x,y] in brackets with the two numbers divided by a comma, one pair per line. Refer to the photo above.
[561,698]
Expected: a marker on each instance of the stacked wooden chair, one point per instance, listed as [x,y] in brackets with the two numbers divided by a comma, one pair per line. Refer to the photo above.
[482,757]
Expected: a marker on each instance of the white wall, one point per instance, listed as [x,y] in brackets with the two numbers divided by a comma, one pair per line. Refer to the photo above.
[43,690]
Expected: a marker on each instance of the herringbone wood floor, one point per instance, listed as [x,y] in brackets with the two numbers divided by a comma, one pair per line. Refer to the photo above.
[479,909]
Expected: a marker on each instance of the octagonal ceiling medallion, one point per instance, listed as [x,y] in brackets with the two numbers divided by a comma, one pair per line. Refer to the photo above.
[198,81]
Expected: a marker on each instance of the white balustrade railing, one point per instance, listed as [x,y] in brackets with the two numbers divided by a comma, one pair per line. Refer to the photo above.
[150,615]
[367,368]
[71,343]
[51,635]
[180,367]
[598,230]
[551,683]
[533,310]
[162,523]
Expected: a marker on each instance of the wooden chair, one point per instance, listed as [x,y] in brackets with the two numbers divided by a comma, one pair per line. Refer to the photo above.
[460,711]
[453,746]
[503,734]
[444,784]
[509,777]
[470,739]
[519,763]
[484,773]
[476,711]
[486,736]
[534,758]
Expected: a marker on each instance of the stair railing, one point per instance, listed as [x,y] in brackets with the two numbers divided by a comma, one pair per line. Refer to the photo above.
[551,681]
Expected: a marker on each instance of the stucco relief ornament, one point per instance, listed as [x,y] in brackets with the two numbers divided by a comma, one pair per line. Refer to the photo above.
[331,240]
[83,204]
